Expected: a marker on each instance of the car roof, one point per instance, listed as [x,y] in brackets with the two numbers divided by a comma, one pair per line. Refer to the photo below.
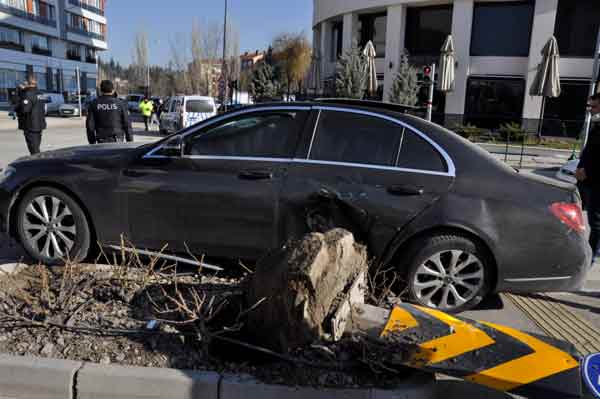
[198,98]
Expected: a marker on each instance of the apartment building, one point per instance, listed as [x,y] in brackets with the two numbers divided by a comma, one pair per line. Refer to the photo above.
[51,39]
[498,48]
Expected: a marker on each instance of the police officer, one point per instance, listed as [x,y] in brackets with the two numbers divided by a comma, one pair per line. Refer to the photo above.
[107,119]
[31,114]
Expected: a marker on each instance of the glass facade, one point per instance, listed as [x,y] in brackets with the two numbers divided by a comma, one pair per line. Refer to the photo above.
[564,115]
[493,101]
[9,80]
[337,35]
[9,35]
[502,29]
[576,29]
[373,27]
[427,28]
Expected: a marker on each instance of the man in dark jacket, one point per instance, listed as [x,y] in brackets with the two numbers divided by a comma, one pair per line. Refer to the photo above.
[588,174]
[31,115]
[107,119]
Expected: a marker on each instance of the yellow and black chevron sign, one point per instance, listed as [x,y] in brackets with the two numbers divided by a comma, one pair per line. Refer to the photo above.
[495,356]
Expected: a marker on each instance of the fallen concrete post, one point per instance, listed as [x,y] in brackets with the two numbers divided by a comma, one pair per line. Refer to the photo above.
[314,291]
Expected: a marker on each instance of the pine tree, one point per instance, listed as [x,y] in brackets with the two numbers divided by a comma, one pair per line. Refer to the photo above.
[261,85]
[351,77]
[406,85]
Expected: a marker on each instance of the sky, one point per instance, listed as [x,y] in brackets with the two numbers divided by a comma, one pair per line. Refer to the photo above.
[258,22]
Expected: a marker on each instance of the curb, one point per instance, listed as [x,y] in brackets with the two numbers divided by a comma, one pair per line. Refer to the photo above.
[36,378]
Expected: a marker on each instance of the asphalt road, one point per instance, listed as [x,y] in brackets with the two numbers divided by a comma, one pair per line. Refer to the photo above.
[61,133]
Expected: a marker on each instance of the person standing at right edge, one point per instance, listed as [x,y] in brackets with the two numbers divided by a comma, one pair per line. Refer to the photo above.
[108,119]
[588,175]
[31,115]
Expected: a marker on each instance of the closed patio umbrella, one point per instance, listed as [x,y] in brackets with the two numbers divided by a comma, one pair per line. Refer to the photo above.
[369,53]
[547,80]
[315,72]
[447,65]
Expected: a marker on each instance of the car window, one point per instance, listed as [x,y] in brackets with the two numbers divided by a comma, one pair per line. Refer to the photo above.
[200,106]
[173,105]
[356,138]
[416,153]
[262,135]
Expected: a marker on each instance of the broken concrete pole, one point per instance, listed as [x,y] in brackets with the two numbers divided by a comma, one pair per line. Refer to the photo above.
[298,285]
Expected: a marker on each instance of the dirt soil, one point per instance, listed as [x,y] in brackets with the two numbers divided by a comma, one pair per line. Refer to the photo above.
[155,317]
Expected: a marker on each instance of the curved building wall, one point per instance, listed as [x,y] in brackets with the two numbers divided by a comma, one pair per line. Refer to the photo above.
[339,23]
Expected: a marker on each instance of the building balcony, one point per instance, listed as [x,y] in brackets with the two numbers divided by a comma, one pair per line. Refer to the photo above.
[85,6]
[83,32]
[73,56]
[17,12]
[41,51]
[12,46]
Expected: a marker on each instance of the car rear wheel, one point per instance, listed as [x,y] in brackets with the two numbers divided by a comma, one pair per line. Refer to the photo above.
[52,227]
[450,273]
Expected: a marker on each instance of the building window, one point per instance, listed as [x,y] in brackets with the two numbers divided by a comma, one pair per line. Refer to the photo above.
[11,39]
[18,4]
[337,36]
[84,25]
[373,27]
[576,28]
[502,29]
[9,80]
[494,101]
[427,28]
[74,52]
[43,9]
[90,55]
[564,115]
[40,45]
[42,80]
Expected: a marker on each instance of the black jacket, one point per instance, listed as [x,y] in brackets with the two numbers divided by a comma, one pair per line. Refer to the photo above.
[107,117]
[31,111]
[590,158]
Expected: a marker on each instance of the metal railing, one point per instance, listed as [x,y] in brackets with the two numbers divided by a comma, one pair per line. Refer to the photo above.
[85,6]
[17,12]
[84,32]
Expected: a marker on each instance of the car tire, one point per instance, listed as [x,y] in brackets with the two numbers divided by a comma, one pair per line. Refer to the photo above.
[452,273]
[52,227]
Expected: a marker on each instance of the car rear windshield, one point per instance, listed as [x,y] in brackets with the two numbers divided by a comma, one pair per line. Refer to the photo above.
[199,106]
[134,98]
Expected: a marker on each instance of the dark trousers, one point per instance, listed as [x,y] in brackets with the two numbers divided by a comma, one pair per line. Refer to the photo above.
[33,140]
[146,120]
[592,202]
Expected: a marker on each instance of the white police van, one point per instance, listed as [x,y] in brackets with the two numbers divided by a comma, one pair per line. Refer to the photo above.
[184,111]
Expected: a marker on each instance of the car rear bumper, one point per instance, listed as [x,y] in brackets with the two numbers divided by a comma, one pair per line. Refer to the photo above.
[573,259]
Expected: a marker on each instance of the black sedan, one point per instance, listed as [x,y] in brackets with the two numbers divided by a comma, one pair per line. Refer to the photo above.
[454,221]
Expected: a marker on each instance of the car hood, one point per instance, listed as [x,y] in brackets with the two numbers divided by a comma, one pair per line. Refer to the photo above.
[83,153]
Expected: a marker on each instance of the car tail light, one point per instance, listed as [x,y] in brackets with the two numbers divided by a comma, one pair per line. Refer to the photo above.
[569,214]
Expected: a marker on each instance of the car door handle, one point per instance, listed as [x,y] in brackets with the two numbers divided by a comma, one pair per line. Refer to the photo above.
[405,190]
[256,175]
[133,173]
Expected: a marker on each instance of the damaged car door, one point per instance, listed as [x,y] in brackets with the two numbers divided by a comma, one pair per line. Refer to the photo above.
[366,172]
[220,197]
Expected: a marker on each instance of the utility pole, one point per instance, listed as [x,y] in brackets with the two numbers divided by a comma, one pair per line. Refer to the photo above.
[593,84]
[431,92]
[224,68]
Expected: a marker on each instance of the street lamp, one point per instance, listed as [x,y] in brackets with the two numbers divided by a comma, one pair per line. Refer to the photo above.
[224,67]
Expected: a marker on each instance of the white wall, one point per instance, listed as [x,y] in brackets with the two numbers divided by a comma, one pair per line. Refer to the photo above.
[84,13]
[99,44]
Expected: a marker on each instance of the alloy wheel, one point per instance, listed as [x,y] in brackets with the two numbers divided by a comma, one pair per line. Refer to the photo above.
[448,279]
[49,227]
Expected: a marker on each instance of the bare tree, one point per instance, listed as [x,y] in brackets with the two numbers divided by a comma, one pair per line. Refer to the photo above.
[180,61]
[198,80]
[141,60]
[292,53]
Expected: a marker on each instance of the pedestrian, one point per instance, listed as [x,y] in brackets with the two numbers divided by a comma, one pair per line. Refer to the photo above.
[588,174]
[108,119]
[146,108]
[31,114]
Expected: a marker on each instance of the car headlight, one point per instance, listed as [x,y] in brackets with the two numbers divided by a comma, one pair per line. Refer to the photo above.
[6,173]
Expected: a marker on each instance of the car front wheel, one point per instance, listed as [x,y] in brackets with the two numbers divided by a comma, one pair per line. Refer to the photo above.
[52,227]
[449,273]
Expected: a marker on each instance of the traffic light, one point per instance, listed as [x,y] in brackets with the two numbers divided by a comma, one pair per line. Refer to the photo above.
[427,74]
